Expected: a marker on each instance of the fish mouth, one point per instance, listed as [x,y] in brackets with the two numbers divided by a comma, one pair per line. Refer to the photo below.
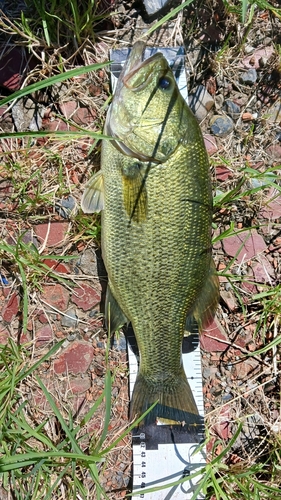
[133,64]
[136,62]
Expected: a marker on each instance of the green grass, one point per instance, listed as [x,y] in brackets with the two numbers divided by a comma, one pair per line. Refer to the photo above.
[33,462]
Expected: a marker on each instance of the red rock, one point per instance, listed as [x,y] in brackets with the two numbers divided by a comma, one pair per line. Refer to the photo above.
[75,359]
[4,335]
[243,370]
[68,109]
[222,427]
[253,60]
[272,208]
[56,295]
[43,335]
[15,63]
[56,232]
[85,297]
[80,385]
[53,125]
[263,271]
[249,288]
[42,316]
[11,308]
[229,299]
[216,330]
[244,245]
[210,447]
[6,290]
[57,266]
[84,116]
[274,151]
[24,338]
[211,144]
[223,173]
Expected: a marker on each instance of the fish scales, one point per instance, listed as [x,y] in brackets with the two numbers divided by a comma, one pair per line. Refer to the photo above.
[158,260]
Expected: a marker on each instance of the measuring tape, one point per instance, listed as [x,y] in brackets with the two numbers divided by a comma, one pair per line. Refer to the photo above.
[163,454]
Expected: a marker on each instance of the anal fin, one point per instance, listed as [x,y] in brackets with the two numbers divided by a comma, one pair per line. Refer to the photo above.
[114,316]
[206,304]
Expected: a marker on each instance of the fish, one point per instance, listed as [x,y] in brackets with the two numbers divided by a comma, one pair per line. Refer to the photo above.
[154,192]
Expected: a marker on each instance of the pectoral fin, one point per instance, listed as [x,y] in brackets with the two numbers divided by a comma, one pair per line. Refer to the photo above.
[93,196]
[134,192]
[207,302]
[114,316]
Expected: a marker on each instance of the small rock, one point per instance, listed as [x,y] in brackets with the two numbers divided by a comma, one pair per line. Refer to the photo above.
[229,299]
[15,64]
[253,60]
[226,397]
[69,319]
[244,245]
[71,337]
[215,330]
[68,109]
[56,266]
[274,113]
[221,125]
[248,77]
[223,426]
[200,102]
[153,7]
[120,343]
[54,232]
[26,236]
[75,359]
[272,206]
[11,308]
[85,297]
[65,207]
[274,151]
[84,116]
[219,100]
[27,115]
[55,124]
[210,144]
[56,295]
[232,109]
[88,262]
[223,173]
[79,385]
[247,117]
[4,335]
[249,49]
[249,288]
[43,335]
[263,271]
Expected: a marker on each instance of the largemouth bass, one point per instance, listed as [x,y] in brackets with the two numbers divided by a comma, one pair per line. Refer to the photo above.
[155,193]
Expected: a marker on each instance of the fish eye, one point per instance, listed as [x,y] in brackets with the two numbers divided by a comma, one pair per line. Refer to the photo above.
[164,83]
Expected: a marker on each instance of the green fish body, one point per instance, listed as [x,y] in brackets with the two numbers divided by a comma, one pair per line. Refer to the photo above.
[155,192]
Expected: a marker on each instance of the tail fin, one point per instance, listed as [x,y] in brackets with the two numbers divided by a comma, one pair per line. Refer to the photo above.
[175,400]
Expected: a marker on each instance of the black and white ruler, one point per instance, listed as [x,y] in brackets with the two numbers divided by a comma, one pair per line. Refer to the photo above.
[164,454]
